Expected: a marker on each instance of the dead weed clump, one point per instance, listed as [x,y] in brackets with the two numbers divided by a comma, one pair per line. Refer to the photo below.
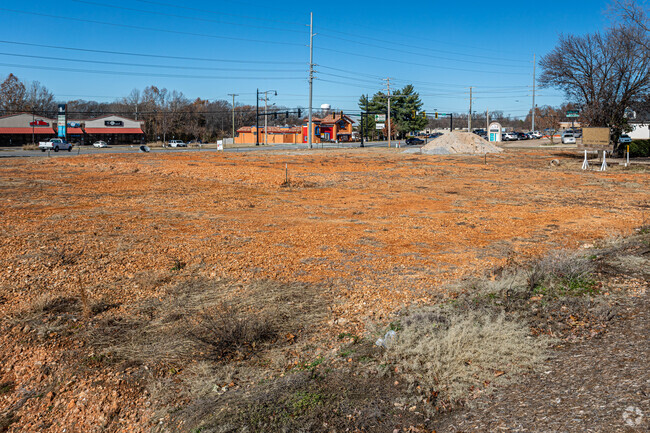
[204,319]
[446,356]
[225,333]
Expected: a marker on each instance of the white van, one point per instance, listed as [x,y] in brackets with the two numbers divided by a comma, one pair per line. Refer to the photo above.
[176,143]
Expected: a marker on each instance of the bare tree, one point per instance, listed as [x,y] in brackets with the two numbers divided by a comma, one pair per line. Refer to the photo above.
[633,14]
[12,95]
[39,100]
[602,73]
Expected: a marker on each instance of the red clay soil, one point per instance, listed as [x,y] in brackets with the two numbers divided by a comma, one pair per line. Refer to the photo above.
[381,229]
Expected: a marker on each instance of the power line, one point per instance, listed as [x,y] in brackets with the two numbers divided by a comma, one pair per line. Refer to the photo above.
[154,29]
[113,6]
[420,64]
[143,74]
[101,62]
[437,57]
[159,56]
[220,12]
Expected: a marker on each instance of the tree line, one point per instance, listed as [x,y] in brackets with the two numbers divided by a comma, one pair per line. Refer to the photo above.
[166,114]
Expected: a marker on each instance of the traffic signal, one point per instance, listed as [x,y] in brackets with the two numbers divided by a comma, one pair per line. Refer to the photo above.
[286,114]
[413,111]
[275,115]
[298,112]
[424,114]
[436,115]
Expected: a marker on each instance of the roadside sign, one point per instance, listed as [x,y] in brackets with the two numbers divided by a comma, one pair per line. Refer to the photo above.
[596,138]
[495,132]
[61,120]
[380,117]
[573,113]
[380,125]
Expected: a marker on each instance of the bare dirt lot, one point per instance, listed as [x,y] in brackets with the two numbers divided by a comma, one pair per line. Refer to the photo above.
[321,248]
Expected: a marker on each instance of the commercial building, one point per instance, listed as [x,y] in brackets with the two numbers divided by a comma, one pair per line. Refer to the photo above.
[24,128]
[333,127]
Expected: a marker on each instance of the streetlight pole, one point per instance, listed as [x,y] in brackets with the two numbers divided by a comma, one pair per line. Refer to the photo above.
[233,115]
[257,119]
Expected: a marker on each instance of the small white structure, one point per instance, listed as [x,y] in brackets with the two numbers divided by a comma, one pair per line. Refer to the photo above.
[640,131]
[494,132]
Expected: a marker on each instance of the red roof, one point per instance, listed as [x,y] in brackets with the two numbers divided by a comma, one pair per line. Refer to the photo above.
[74,131]
[23,130]
[114,131]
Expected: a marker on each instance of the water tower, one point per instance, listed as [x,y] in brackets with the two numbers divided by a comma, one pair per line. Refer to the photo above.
[325,108]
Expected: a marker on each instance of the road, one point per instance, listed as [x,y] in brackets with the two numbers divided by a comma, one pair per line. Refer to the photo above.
[9,152]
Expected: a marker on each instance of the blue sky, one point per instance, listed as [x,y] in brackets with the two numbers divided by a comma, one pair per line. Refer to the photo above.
[209,49]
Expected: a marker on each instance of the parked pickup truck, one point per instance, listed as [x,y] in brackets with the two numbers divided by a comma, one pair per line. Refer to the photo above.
[55,144]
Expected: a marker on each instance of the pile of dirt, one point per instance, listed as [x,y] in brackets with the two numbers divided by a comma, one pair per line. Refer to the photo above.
[459,142]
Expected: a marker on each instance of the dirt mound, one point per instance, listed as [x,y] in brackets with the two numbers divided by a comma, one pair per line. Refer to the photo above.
[459,142]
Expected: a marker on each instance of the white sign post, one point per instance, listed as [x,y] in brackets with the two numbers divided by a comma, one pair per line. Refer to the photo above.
[380,126]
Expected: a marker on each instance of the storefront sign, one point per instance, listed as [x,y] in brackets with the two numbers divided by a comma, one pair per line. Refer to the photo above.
[39,122]
[61,120]
[113,123]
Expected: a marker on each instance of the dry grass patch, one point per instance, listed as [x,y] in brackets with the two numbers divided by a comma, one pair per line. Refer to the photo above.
[446,357]
[205,319]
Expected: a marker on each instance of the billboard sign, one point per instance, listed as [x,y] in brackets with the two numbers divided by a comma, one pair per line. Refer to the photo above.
[573,113]
[61,120]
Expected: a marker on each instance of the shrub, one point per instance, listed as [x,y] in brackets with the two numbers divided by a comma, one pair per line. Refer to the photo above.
[226,333]
[640,148]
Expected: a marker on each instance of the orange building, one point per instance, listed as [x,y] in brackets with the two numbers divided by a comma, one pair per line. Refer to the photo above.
[275,135]
[332,127]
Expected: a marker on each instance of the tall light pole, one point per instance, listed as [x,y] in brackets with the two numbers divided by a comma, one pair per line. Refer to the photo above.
[534,79]
[233,115]
[266,106]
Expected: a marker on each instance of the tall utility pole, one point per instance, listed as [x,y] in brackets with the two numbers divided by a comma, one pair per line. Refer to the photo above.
[469,118]
[487,119]
[233,115]
[311,75]
[388,119]
[257,119]
[266,116]
[534,79]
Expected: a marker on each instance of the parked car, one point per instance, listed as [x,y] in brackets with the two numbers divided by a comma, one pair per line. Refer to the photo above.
[100,143]
[624,139]
[509,136]
[413,141]
[568,138]
[577,133]
[176,143]
[521,136]
[535,134]
[55,144]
